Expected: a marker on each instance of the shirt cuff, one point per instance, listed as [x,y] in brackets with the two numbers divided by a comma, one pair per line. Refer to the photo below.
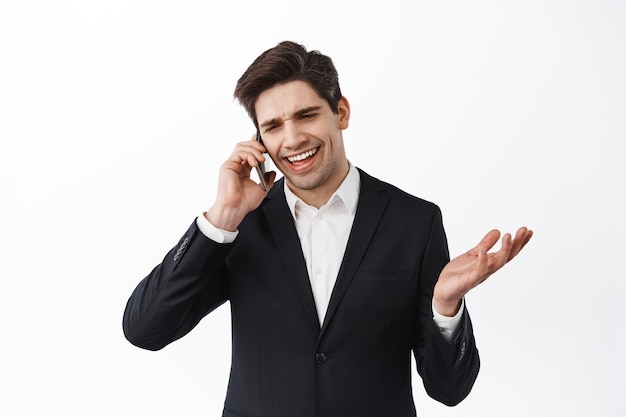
[448,326]
[213,233]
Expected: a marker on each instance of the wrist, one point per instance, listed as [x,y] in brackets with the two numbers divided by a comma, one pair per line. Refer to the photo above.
[224,218]
[447,308]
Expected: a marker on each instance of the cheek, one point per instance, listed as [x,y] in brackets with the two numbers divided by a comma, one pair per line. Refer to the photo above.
[273,153]
[270,145]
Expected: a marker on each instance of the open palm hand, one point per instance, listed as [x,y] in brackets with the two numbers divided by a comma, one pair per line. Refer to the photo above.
[473,267]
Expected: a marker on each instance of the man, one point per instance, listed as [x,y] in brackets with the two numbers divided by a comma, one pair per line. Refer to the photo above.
[333,276]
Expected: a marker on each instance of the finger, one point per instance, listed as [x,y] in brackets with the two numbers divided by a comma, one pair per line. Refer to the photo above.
[246,155]
[480,271]
[256,144]
[501,257]
[522,237]
[529,234]
[251,145]
[517,242]
[252,160]
[482,265]
[486,242]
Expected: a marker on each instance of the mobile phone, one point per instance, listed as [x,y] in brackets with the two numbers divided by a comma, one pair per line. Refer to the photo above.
[261,168]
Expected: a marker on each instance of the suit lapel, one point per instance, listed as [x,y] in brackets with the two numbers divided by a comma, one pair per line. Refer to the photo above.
[285,236]
[371,206]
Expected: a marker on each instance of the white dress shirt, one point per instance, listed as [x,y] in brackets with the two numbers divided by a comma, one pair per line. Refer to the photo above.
[324,234]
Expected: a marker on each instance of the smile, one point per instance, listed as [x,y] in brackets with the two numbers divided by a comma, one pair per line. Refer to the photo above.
[302,156]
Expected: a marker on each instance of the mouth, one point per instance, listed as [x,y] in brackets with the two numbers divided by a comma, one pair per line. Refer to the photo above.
[294,159]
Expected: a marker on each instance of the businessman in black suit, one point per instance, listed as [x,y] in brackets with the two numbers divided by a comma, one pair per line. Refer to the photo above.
[333,277]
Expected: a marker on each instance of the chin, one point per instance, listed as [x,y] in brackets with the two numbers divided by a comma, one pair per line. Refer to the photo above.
[307,182]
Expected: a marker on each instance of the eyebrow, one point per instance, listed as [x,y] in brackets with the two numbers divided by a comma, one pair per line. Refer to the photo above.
[295,115]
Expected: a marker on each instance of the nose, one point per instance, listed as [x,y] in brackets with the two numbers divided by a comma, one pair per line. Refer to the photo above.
[293,135]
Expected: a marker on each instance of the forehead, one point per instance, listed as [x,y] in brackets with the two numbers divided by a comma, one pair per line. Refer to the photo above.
[283,100]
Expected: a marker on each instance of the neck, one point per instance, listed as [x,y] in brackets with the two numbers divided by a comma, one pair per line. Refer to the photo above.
[319,196]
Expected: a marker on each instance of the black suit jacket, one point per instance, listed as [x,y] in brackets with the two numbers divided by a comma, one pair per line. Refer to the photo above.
[284,363]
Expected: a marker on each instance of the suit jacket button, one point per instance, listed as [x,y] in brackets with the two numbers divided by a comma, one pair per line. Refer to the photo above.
[181,248]
[320,357]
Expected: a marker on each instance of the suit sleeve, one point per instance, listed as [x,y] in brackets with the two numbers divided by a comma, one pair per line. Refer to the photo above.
[189,283]
[448,369]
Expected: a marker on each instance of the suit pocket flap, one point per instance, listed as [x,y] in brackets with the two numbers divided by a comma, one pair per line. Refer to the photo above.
[385,275]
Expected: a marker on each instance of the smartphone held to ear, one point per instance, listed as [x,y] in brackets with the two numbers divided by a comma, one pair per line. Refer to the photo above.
[261,168]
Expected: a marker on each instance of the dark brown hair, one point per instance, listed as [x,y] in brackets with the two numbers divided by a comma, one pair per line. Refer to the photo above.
[288,61]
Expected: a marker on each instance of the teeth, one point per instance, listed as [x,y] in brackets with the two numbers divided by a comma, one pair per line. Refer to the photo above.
[302,156]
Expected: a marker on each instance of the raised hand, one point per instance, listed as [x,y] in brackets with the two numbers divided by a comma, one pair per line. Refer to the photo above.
[237,193]
[473,267]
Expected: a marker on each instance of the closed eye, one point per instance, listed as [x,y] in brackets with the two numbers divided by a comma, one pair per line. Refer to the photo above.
[307,116]
[269,128]
[307,113]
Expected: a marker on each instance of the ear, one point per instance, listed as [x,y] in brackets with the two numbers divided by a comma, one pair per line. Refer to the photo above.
[343,110]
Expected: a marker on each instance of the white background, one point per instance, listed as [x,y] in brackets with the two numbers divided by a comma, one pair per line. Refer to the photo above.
[115,116]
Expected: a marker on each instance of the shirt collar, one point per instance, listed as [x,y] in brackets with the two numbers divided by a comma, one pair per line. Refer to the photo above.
[348,193]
